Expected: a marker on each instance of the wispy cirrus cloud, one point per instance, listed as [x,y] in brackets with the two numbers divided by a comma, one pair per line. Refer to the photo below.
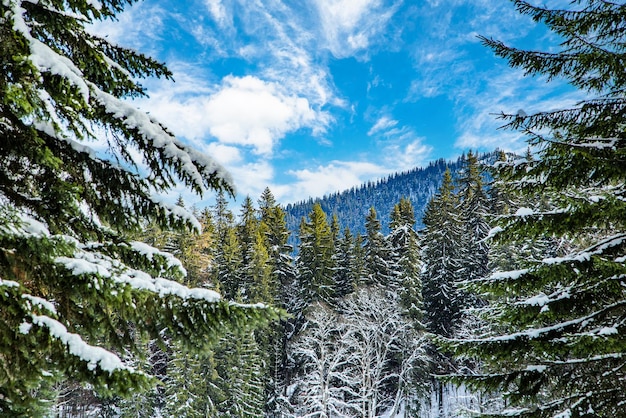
[508,92]
[349,27]
[401,147]
[384,123]
[219,12]
[451,63]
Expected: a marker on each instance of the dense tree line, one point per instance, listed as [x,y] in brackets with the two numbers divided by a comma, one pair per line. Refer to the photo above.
[361,307]
[352,206]
[516,287]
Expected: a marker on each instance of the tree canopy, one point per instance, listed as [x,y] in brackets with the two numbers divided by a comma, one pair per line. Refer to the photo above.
[75,290]
[557,343]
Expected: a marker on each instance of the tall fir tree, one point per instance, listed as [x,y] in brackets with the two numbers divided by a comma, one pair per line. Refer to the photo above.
[559,335]
[240,370]
[247,229]
[378,260]
[74,289]
[441,256]
[358,272]
[227,269]
[273,226]
[343,278]
[406,250]
[315,258]
[474,207]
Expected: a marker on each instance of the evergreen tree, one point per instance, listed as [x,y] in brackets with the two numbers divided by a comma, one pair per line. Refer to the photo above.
[191,385]
[473,209]
[558,341]
[74,289]
[358,272]
[227,270]
[247,236]
[406,252]
[273,227]
[240,369]
[343,278]
[282,278]
[378,260]
[315,258]
[441,254]
[262,288]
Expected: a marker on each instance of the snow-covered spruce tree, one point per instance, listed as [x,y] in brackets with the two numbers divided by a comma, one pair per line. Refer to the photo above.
[273,226]
[315,258]
[405,246]
[343,278]
[241,376]
[440,254]
[227,269]
[73,289]
[378,261]
[559,341]
[473,209]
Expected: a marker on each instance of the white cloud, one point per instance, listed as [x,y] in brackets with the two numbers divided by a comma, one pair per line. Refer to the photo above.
[330,178]
[382,124]
[218,12]
[249,111]
[242,111]
[348,26]
[252,178]
[226,155]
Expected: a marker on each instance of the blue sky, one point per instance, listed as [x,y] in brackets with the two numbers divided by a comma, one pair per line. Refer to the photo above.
[312,97]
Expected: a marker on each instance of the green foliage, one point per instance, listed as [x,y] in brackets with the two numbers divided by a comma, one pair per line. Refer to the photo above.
[315,259]
[74,289]
[557,341]
[406,251]
[441,255]
[241,377]
[378,260]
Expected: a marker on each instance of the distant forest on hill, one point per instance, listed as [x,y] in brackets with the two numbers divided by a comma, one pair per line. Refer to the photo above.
[352,206]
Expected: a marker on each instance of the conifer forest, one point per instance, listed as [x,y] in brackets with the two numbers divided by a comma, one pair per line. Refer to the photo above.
[489,286]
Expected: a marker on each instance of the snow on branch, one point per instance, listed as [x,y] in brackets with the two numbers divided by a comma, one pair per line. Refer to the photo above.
[8,283]
[41,303]
[597,249]
[506,275]
[84,262]
[149,252]
[45,59]
[151,130]
[93,356]
[536,333]
[178,212]
[20,224]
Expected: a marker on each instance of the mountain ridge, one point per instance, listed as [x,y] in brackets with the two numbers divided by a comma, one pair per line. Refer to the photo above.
[352,205]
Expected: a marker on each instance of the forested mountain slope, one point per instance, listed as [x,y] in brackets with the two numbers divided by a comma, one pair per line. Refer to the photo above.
[351,206]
